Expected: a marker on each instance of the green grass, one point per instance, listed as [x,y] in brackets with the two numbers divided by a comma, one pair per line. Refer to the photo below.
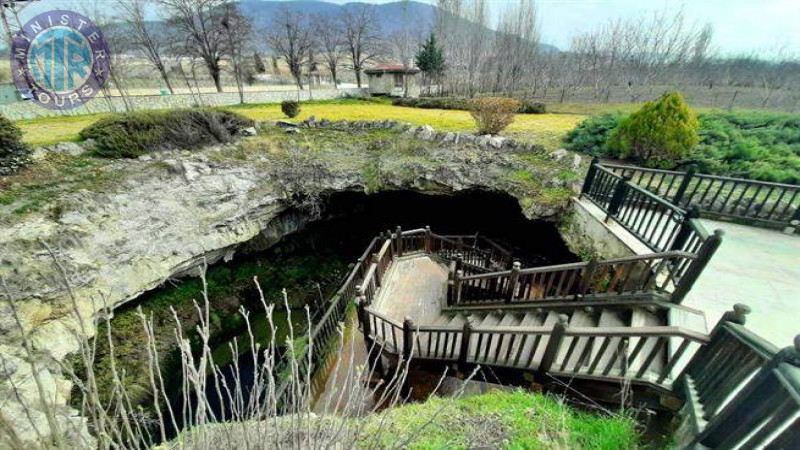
[501,419]
[52,130]
[545,129]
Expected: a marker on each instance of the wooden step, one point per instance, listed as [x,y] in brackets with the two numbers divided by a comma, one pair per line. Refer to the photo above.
[502,345]
[541,342]
[609,347]
[530,319]
[641,317]
[574,349]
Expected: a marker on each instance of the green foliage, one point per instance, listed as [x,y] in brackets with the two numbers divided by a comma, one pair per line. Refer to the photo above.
[14,154]
[755,145]
[430,58]
[462,104]
[658,135]
[133,134]
[591,135]
[493,114]
[433,103]
[290,108]
[528,107]
[501,419]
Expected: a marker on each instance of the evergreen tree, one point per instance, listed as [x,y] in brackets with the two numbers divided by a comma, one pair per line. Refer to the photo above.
[657,135]
[259,63]
[430,60]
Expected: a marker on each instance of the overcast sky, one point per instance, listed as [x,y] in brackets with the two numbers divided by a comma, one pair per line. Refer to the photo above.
[740,26]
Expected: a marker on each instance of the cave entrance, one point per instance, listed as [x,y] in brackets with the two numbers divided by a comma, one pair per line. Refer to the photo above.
[351,219]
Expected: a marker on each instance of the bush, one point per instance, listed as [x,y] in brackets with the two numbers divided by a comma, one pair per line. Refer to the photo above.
[527,107]
[291,108]
[462,104]
[657,135]
[14,154]
[493,114]
[130,135]
[755,145]
[591,135]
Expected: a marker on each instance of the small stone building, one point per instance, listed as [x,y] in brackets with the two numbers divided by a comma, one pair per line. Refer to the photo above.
[394,80]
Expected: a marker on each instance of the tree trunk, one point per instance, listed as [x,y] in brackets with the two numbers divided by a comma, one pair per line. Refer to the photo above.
[214,70]
[358,76]
[333,75]
[163,71]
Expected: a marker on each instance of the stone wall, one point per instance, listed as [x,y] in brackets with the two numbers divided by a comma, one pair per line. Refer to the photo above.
[30,110]
[586,235]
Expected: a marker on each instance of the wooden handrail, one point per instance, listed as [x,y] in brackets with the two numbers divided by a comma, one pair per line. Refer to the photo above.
[658,331]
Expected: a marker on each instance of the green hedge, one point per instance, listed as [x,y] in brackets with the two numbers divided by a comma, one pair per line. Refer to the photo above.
[463,104]
[133,134]
[755,145]
[14,154]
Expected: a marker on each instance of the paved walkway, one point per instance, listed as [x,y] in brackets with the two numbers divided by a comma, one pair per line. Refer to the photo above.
[414,287]
[760,268]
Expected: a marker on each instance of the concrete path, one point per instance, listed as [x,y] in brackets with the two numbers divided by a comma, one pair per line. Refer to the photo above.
[414,287]
[760,268]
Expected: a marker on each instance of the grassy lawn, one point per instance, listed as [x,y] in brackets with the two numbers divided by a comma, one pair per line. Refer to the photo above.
[52,130]
[516,420]
[545,129]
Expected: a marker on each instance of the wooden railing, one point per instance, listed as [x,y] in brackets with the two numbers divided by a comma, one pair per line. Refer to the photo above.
[635,354]
[656,222]
[668,273]
[741,391]
[755,202]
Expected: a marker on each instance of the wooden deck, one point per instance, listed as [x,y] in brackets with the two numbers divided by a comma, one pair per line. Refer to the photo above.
[415,286]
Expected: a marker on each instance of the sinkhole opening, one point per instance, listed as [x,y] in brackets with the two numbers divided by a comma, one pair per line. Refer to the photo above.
[309,261]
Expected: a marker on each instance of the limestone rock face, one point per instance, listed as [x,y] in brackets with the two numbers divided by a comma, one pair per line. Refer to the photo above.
[176,212]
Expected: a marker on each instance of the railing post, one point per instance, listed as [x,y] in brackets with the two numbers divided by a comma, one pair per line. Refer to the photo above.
[408,339]
[618,197]
[428,240]
[463,352]
[459,261]
[590,175]
[687,178]
[373,351]
[377,270]
[361,292]
[554,344]
[399,241]
[704,255]
[457,284]
[586,279]
[513,280]
[686,229]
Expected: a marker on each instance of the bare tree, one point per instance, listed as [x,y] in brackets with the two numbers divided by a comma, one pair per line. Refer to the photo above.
[238,32]
[199,22]
[329,40]
[133,14]
[290,38]
[361,36]
[13,8]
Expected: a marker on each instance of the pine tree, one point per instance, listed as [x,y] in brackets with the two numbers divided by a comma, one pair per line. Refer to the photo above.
[430,60]
[259,63]
[657,135]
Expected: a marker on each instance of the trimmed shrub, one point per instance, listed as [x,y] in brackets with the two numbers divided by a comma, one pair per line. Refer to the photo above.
[657,135]
[291,108]
[493,114]
[14,154]
[591,135]
[462,104]
[527,107]
[133,134]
